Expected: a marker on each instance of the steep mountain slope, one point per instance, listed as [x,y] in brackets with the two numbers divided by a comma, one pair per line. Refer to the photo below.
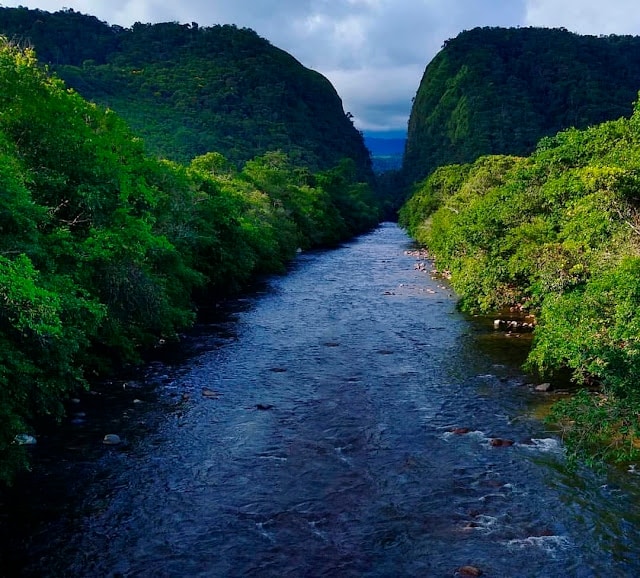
[189,90]
[498,91]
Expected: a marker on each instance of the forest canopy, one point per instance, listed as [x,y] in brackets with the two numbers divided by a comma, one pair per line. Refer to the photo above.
[189,89]
[105,250]
[500,90]
[556,235]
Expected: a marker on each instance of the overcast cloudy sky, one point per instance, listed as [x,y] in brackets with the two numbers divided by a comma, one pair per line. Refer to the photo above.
[373,51]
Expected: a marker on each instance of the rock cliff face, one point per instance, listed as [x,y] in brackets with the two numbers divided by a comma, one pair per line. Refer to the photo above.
[498,91]
[189,89]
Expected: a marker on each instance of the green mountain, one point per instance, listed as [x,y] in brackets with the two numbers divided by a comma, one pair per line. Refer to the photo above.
[498,91]
[188,90]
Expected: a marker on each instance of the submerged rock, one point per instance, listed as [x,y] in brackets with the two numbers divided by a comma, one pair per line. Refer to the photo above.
[469,571]
[79,418]
[499,442]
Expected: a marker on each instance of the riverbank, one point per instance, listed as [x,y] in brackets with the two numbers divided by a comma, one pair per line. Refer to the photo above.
[317,436]
[556,236]
[106,252]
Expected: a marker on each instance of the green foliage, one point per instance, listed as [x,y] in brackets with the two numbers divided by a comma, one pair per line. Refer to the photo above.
[236,227]
[189,90]
[558,234]
[598,428]
[498,91]
[427,196]
[458,213]
[104,250]
[594,329]
[355,201]
[44,326]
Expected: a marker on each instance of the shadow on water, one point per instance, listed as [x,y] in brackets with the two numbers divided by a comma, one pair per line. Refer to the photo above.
[345,421]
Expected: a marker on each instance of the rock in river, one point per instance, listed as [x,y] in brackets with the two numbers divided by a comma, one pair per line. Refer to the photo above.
[111,440]
[499,442]
[544,387]
[24,440]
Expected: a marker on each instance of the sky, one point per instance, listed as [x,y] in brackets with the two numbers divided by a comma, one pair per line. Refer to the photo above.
[373,51]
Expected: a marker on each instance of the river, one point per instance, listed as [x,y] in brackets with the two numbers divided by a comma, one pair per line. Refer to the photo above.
[311,430]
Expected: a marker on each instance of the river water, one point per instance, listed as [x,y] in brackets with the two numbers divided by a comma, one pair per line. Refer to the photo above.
[308,431]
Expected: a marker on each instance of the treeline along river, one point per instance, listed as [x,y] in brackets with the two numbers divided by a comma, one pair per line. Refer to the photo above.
[337,422]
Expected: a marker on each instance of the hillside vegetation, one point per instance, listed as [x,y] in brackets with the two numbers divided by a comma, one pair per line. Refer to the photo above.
[189,89]
[103,248]
[556,234]
[499,91]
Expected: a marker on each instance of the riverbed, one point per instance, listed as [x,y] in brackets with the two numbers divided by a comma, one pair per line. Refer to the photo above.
[340,420]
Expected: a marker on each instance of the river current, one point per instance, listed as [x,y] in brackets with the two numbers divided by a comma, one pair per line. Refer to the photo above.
[338,422]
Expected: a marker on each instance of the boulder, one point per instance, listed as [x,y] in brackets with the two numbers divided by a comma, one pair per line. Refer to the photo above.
[544,387]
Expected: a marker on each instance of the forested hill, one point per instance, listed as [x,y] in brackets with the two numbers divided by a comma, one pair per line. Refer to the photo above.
[189,89]
[498,91]
[107,252]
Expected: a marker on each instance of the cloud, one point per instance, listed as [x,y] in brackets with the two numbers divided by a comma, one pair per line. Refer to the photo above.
[375,51]
[586,17]
[379,98]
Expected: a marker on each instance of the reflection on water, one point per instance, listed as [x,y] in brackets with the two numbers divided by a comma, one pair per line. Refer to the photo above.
[348,421]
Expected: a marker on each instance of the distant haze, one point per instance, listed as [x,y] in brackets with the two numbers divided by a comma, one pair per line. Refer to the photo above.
[387,146]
